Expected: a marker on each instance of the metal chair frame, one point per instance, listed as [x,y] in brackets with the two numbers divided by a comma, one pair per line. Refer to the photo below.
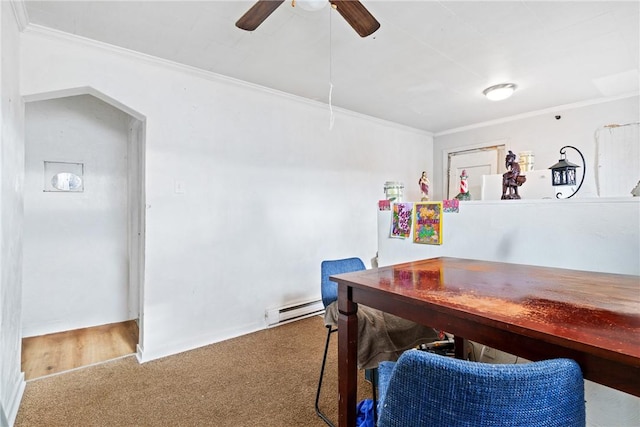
[374,385]
[330,294]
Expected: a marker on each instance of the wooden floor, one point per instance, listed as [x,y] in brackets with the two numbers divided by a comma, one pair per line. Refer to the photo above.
[59,352]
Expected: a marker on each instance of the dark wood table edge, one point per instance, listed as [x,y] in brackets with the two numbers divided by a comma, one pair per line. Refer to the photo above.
[608,368]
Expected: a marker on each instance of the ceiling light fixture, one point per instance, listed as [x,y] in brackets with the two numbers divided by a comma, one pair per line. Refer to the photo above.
[500,92]
[310,5]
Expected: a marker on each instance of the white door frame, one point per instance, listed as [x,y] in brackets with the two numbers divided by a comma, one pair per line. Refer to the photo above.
[136,193]
[136,208]
[502,143]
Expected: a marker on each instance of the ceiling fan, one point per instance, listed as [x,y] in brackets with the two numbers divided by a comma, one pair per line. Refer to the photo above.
[352,11]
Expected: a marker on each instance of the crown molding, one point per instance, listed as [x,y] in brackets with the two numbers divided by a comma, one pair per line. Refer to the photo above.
[205,74]
[556,109]
[20,12]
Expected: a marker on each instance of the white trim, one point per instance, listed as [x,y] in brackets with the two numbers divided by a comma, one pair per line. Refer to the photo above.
[538,113]
[20,12]
[204,74]
[193,343]
[14,400]
[502,142]
[139,353]
[84,90]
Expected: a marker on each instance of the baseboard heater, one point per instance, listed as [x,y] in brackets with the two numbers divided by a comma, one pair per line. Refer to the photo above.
[292,312]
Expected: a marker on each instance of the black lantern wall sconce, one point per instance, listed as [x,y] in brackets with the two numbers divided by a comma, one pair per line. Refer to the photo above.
[564,172]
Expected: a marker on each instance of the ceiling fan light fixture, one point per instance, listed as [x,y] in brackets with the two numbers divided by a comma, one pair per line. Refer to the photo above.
[311,5]
[356,15]
[500,92]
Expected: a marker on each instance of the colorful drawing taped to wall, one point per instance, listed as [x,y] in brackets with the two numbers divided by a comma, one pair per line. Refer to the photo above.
[401,220]
[427,223]
[452,205]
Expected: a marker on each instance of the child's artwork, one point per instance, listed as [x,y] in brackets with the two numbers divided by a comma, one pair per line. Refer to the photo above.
[428,223]
[452,205]
[401,221]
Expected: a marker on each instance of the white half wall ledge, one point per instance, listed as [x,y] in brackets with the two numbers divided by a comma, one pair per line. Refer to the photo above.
[599,234]
[84,90]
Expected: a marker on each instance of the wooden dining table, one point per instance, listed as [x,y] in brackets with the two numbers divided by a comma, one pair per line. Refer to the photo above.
[530,311]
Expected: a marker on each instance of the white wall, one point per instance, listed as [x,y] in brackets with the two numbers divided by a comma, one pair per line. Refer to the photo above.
[247,190]
[11,160]
[582,234]
[75,263]
[544,135]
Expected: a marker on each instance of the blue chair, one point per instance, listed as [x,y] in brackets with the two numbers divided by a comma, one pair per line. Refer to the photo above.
[329,291]
[426,389]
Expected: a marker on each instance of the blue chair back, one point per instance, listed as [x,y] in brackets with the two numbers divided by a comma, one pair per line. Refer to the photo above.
[328,288]
[426,389]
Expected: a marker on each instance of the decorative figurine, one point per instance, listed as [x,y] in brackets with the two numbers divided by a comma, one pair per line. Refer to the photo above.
[511,179]
[424,187]
[464,187]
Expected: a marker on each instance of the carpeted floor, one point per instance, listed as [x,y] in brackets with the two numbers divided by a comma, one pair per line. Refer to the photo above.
[267,378]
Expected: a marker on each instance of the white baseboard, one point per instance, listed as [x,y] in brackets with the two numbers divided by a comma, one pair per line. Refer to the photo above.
[149,353]
[10,413]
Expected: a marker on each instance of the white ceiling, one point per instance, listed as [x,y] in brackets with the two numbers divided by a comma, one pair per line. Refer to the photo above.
[425,67]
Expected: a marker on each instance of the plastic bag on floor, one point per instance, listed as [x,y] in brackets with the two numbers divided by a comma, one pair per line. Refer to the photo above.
[365,414]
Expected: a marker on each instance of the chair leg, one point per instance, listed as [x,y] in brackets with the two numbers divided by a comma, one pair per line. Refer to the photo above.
[374,383]
[374,386]
[324,361]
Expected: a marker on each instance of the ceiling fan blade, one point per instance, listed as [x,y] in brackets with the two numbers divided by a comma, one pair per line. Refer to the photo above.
[357,16]
[257,14]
